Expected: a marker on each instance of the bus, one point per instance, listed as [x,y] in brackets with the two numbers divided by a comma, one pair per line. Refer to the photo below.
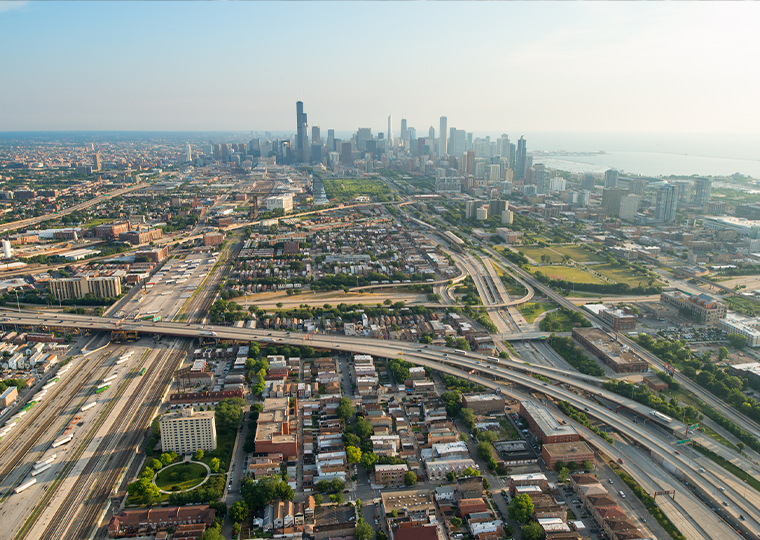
[142,371]
[460,352]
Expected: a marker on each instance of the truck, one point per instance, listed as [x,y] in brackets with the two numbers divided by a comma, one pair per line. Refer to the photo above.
[88,406]
[110,378]
[213,334]
[62,440]
[42,462]
[25,485]
[661,417]
[493,359]
[42,469]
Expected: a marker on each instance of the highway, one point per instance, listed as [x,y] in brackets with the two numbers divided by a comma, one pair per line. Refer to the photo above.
[23,223]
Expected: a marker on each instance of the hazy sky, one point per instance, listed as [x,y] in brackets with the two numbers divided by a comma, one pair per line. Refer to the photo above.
[488,66]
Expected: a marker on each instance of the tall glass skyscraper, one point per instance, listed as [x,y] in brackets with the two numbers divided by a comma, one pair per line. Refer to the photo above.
[302,138]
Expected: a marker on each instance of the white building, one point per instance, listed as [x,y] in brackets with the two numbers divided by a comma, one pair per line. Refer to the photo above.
[749,327]
[285,202]
[7,251]
[187,431]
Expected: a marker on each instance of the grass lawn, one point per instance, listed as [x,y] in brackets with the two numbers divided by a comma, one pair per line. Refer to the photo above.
[347,189]
[181,477]
[96,222]
[515,290]
[564,320]
[569,273]
[536,252]
[730,467]
[533,309]
[718,437]
[579,254]
[623,274]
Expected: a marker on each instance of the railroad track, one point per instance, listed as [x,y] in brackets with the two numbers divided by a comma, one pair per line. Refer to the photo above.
[81,509]
[22,453]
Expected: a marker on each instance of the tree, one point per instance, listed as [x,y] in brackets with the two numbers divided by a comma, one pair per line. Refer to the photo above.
[368,460]
[394,513]
[214,465]
[737,341]
[211,534]
[322,486]
[337,485]
[155,464]
[520,508]
[532,531]
[484,450]
[563,474]
[722,354]
[345,409]
[588,464]
[380,535]
[353,454]
[456,522]
[198,455]
[318,498]
[363,531]
[167,458]
[238,512]
[337,498]
[410,478]
[486,484]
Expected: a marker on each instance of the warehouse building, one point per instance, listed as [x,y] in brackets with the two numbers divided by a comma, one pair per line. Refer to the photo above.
[544,426]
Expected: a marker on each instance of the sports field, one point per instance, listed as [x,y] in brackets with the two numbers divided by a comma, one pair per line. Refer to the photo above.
[536,252]
[569,273]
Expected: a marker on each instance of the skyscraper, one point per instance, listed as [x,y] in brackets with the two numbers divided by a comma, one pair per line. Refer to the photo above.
[189,156]
[610,178]
[521,164]
[404,131]
[638,186]
[316,138]
[302,142]
[611,200]
[96,162]
[702,188]
[442,137]
[431,132]
[390,130]
[345,154]
[667,203]
[588,182]
[331,140]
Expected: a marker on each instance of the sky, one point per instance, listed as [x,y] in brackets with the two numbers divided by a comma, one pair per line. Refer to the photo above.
[488,66]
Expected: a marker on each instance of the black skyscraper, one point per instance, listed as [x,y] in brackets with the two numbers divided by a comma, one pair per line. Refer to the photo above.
[522,161]
[302,139]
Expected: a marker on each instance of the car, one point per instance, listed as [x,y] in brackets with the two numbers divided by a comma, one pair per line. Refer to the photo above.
[741,516]
[722,488]
[610,480]
[419,350]
[677,452]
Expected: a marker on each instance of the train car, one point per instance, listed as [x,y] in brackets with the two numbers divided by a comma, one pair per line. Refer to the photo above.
[460,352]
[142,371]
[25,485]
[50,384]
[110,378]
[102,388]
[16,417]
[61,441]
[42,469]
[42,462]
[121,360]
[88,406]
[29,406]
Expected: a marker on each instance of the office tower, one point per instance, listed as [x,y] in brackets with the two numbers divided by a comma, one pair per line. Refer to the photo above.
[217,151]
[611,199]
[460,142]
[610,178]
[302,142]
[412,134]
[92,147]
[420,146]
[254,147]
[96,162]
[390,131]
[469,209]
[588,182]
[362,136]
[684,192]
[541,179]
[225,151]
[207,149]
[470,168]
[667,203]
[629,205]
[331,140]
[450,141]
[345,153]
[316,138]
[404,130]
[521,165]
[584,197]
[702,188]
[637,187]
[480,169]
[316,154]
[442,137]
[512,156]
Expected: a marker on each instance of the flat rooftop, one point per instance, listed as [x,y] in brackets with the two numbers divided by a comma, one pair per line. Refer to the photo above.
[411,501]
[546,422]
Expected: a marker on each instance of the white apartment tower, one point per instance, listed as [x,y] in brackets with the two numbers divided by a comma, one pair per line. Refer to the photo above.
[390,130]
[187,431]
[442,137]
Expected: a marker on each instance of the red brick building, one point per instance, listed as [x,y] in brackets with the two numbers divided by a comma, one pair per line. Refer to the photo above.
[147,521]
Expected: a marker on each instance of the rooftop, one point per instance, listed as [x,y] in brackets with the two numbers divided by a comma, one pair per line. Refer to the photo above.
[544,419]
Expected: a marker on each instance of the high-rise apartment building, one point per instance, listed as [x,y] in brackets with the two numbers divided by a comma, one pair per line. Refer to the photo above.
[611,178]
[96,165]
[611,200]
[302,138]
[77,288]
[629,205]
[588,182]
[494,175]
[186,432]
[442,137]
[638,186]
[702,188]
[667,204]
[189,155]
[390,130]
[521,164]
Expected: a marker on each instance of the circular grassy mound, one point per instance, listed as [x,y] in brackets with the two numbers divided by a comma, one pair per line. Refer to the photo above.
[181,476]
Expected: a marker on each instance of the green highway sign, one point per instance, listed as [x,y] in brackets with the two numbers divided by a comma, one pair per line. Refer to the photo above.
[683,441]
[695,426]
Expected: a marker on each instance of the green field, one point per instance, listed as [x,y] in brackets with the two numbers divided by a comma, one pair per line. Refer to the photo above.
[347,189]
[533,309]
[96,222]
[578,254]
[181,477]
[535,253]
[515,290]
[623,274]
[569,273]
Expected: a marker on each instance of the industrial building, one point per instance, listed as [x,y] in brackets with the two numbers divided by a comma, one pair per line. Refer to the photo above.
[544,426]
[618,356]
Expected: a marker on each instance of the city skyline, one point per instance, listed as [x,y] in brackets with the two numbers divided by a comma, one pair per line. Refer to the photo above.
[138,66]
